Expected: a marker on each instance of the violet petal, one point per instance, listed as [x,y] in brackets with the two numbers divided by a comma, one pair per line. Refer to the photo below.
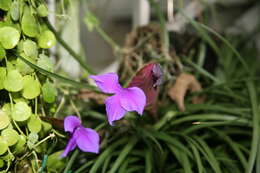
[114,108]
[70,146]
[87,139]
[133,99]
[70,123]
[108,83]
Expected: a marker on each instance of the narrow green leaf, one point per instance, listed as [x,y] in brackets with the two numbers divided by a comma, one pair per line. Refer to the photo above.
[105,154]
[123,154]
[153,139]
[71,161]
[148,161]
[209,154]
[165,119]
[202,71]
[200,27]
[134,169]
[169,139]
[197,158]
[255,140]
[210,116]
[203,124]
[124,166]
[233,146]
[182,158]
[106,163]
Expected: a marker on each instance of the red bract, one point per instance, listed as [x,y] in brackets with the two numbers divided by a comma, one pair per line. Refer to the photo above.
[148,79]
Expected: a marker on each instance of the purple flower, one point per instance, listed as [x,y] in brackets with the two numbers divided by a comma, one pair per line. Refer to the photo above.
[85,138]
[123,100]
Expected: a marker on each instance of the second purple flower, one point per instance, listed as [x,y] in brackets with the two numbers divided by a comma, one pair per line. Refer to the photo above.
[123,100]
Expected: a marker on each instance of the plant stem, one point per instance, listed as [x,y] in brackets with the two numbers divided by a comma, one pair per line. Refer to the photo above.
[75,108]
[162,21]
[12,107]
[59,107]
[64,79]
[108,39]
[76,56]
[45,139]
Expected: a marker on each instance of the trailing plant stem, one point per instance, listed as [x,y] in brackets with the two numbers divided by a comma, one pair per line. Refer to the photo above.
[77,57]
[108,39]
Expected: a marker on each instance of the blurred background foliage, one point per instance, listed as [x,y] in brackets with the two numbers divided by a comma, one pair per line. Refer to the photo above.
[217,42]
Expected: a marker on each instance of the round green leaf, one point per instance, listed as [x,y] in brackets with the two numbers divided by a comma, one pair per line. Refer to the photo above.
[30,49]
[2,52]
[15,10]
[10,65]
[49,92]
[17,97]
[21,111]
[19,47]
[2,77]
[4,120]
[23,67]
[34,124]
[29,24]
[3,146]
[5,4]
[31,87]
[7,109]
[55,162]
[42,10]
[45,63]
[32,139]
[10,136]
[46,40]
[2,163]
[46,126]
[13,81]
[20,145]
[9,37]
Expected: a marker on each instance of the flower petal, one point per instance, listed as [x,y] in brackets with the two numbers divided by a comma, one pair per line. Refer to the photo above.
[108,83]
[70,123]
[133,99]
[87,139]
[114,108]
[70,146]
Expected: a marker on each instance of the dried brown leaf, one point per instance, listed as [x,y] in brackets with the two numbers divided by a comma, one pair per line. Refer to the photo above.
[90,95]
[184,83]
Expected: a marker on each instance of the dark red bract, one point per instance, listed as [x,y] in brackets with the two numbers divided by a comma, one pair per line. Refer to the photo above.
[148,79]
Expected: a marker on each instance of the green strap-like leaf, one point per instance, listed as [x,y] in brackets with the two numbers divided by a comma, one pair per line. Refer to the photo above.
[148,161]
[123,155]
[255,140]
[103,156]
[233,146]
